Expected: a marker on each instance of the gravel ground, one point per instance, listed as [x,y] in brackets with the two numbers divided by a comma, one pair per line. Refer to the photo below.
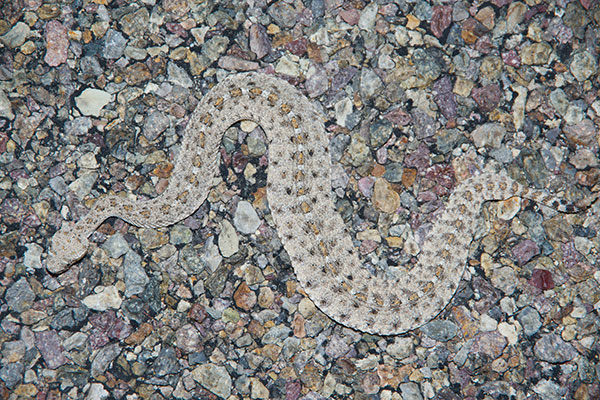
[416,97]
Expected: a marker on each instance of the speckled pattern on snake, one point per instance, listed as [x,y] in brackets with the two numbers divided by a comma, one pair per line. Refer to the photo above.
[302,204]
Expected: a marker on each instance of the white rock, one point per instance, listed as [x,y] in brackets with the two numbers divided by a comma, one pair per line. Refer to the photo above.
[246,219]
[229,243]
[108,298]
[91,101]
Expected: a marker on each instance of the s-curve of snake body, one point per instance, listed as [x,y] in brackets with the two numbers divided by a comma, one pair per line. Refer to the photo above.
[299,194]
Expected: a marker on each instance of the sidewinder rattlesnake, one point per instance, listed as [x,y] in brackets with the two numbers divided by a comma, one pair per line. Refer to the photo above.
[300,198]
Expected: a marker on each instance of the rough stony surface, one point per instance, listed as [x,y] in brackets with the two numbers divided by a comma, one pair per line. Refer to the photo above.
[404,88]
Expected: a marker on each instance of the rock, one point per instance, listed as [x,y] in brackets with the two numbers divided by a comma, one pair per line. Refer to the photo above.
[103,358]
[584,133]
[487,97]
[228,240]
[424,124]
[96,392]
[48,343]
[530,320]
[283,13]
[244,297]
[410,391]
[108,298]
[178,76]
[505,279]
[401,348]
[535,53]
[336,347]
[57,43]
[155,124]
[180,234]
[116,246]
[259,41]
[246,219]
[370,83]
[440,20]
[134,274]
[583,65]
[488,135]
[5,107]
[525,251]
[19,296]
[549,390]
[440,330]
[380,132]
[166,363]
[114,44]
[91,101]
[258,390]
[187,338]
[515,15]
[384,197]
[213,378]
[32,258]
[12,374]
[542,279]
[552,348]
[16,36]
[276,334]
[368,17]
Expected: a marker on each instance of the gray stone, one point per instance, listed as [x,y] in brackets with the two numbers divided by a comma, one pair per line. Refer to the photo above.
[116,246]
[166,363]
[178,76]
[410,391]
[228,239]
[283,14]
[5,106]
[401,348]
[553,349]
[393,172]
[180,234]
[16,36]
[505,279]
[380,131]
[440,330]
[32,258]
[114,44]
[246,219]
[12,374]
[370,83]
[19,296]
[213,378]
[276,334]
[82,186]
[530,320]
[488,135]
[583,65]
[549,390]
[104,357]
[155,124]
[214,47]
[368,17]
[336,347]
[134,274]
[78,126]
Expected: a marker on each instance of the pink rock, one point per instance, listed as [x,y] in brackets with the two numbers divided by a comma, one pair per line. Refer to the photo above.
[57,43]
[541,279]
[365,185]
[350,16]
[48,343]
[511,58]
[441,19]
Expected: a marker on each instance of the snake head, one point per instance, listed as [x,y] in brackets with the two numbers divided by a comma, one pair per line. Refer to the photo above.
[67,248]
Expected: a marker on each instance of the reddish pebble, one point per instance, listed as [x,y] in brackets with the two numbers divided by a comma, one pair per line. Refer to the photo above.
[57,43]
[542,279]
[350,16]
[441,19]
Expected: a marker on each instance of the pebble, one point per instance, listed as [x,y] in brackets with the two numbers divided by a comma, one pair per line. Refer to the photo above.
[488,135]
[57,43]
[16,36]
[384,197]
[48,343]
[155,124]
[167,362]
[367,17]
[550,347]
[246,219]
[535,53]
[92,101]
[134,274]
[214,378]
[178,76]
[530,320]
[244,297]
[440,330]
[108,298]
[114,44]
[32,257]
[19,297]
[525,251]
[228,240]
[103,358]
